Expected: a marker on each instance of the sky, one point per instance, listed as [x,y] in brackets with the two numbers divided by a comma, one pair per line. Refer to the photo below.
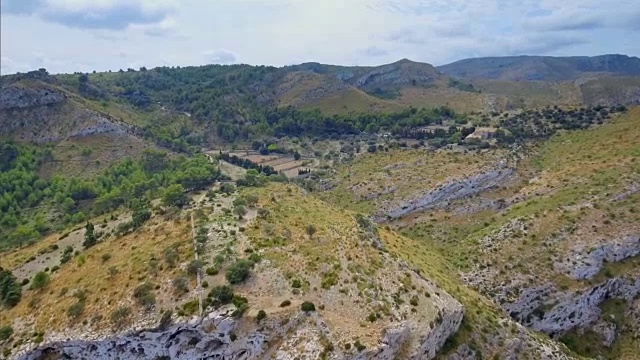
[66,36]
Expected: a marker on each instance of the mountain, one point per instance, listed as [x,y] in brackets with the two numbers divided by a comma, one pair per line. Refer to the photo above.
[318,212]
[541,68]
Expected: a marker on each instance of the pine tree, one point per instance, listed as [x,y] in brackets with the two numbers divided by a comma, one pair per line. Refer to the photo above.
[89,236]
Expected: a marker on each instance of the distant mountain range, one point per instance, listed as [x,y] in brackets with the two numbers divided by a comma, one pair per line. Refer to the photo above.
[541,68]
[236,95]
[467,85]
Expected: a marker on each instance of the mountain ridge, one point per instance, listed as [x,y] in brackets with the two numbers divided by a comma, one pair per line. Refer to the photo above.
[541,68]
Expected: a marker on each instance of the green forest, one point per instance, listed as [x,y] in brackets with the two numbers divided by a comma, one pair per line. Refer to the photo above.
[32,206]
[235,102]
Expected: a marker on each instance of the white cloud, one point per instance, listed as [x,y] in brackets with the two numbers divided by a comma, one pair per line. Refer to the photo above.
[94,14]
[221,56]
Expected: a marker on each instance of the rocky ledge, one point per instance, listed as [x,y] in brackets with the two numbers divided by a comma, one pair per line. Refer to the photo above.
[556,312]
[220,336]
[584,263]
[443,194]
[14,97]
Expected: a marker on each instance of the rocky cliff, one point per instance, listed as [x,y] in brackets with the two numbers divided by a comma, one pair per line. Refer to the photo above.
[222,336]
[39,112]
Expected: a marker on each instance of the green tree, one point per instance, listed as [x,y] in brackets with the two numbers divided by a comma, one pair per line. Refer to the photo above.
[222,294]
[40,281]
[252,177]
[90,238]
[251,200]
[238,271]
[24,233]
[296,155]
[240,210]
[227,188]
[10,290]
[174,196]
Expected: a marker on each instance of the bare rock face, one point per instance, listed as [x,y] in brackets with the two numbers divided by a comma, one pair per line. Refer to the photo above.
[209,338]
[568,310]
[14,97]
[399,73]
[457,189]
[221,336]
[607,331]
[584,263]
[40,113]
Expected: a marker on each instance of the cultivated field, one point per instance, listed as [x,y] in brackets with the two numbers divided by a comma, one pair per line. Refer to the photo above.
[280,162]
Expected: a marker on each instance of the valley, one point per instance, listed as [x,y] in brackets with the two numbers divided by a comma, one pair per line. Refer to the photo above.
[323,212]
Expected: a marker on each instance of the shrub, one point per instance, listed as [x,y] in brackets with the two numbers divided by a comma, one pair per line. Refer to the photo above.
[171,257]
[33,302]
[190,307]
[80,294]
[261,316]
[76,309]
[119,315]
[358,345]
[113,271]
[227,188]
[40,280]
[372,317]
[240,210]
[144,296]
[328,280]
[212,271]
[165,320]
[285,303]
[307,306]
[239,202]
[310,229]
[238,271]
[221,294]
[66,255]
[263,213]
[255,258]
[106,257]
[296,284]
[25,282]
[241,303]
[205,284]
[181,285]
[194,266]
[5,332]
[414,300]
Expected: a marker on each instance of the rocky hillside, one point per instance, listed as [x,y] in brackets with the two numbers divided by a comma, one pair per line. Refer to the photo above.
[36,109]
[521,242]
[282,283]
[541,68]
[548,232]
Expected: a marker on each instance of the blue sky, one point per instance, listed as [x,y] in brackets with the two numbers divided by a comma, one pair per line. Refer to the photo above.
[86,35]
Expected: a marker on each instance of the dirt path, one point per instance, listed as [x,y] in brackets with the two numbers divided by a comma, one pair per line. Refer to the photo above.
[198,274]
